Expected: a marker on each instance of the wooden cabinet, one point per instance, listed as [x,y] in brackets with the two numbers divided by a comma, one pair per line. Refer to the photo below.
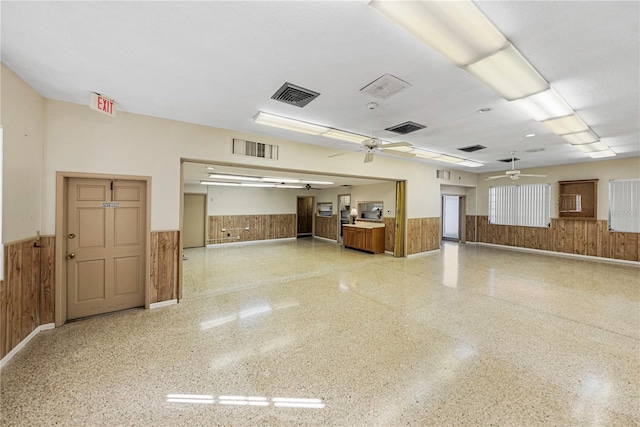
[364,238]
[578,199]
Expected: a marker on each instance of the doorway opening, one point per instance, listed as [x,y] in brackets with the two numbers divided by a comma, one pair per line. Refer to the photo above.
[344,208]
[453,218]
[305,216]
[195,218]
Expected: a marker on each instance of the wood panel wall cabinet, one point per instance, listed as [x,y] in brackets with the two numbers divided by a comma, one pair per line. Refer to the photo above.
[578,199]
[364,238]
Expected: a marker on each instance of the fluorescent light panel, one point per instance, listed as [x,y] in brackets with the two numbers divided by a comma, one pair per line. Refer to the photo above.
[470,164]
[285,180]
[344,136]
[543,105]
[457,29]
[318,182]
[223,184]
[565,125]
[594,146]
[586,137]
[289,124]
[601,154]
[508,73]
[234,177]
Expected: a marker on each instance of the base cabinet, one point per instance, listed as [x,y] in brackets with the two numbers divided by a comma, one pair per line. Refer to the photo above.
[365,239]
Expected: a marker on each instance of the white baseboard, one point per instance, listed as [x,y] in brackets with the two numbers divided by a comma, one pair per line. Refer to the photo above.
[25,341]
[162,304]
[251,242]
[325,239]
[560,254]
[420,254]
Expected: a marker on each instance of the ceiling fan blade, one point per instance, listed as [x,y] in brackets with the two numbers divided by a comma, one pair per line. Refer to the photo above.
[534,175]
[496,177]
[398,153]
[396,144]
[368,158]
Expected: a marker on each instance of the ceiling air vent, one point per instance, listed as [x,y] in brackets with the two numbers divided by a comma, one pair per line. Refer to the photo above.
[406,127]
[254,149]
[294,95]
[472,148]
[515,159]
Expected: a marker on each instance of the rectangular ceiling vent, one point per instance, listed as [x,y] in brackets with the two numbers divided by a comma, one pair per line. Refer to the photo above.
[472,148]
[515,159]
[406,127]
[294,95]
[254,149]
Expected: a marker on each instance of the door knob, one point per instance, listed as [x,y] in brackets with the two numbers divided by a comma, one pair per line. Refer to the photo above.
[71,256]
[71,236]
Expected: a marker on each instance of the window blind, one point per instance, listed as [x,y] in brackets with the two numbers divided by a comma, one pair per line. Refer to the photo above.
[527,205]
[624,205]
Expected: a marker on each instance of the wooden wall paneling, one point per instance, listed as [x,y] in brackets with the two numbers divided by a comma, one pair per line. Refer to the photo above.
[153,289]
[389,234]
[434,234]
[47,278]
[591,238]
[470,228]
[3,319]
[14,297]
[30,289]
[579,237]
[631,246]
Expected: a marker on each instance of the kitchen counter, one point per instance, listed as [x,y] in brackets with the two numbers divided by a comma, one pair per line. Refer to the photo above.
[365,236]
[360,224]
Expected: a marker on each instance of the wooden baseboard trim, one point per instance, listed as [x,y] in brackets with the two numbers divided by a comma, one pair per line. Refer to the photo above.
[561,254]
[162,304]
[25,341]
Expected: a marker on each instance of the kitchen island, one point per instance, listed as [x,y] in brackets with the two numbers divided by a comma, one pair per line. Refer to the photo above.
[365,236]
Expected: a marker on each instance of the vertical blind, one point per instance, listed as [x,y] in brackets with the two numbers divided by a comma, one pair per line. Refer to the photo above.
[528,205]
[624,205]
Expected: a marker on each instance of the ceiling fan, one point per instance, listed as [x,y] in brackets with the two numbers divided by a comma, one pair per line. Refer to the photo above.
[309,187]
[371,144]
[513,173]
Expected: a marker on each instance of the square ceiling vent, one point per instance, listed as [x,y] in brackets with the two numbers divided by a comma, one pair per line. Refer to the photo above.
[406,127]
[294,95]
[472,148]
[385,86]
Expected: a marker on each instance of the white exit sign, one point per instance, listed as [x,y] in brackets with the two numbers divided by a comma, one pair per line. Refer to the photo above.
[103,104]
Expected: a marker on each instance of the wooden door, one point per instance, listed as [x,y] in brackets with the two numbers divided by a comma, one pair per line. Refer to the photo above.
[106,223]
[194,220]
[305,216]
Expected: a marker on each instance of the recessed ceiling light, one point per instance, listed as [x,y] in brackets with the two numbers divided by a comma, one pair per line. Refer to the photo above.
[530,135]
[485,110]
[211,168]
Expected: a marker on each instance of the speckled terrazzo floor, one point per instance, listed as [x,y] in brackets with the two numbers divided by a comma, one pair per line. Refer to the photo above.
[308,333]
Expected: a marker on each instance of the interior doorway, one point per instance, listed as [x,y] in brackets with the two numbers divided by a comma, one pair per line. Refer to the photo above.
[453,218]
[105,245]
[344,208]
[305,216]
[195,217]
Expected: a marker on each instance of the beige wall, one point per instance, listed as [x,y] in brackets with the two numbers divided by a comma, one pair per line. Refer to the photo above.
[82,140]
[604,171]
[22,121]
[251,201]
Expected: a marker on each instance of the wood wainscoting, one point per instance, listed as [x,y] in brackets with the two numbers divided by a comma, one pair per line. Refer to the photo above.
[423,235]
[582,237]
[247,228]
[327,227]
[27,293]
[389,234]
[165,266]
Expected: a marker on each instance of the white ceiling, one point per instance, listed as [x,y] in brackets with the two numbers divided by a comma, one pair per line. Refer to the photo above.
[218,63]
